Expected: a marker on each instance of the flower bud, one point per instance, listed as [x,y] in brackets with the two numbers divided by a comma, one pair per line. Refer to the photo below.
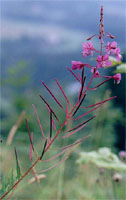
[117,177]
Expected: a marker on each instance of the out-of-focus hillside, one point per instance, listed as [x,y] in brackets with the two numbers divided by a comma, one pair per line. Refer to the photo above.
[48,35]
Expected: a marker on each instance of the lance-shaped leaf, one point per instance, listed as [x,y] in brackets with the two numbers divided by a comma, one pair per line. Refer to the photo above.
[82,85]
[76,131]
[70,145]
[17,164]
[52,95]
[101,102]
[38,120]
[50,108]
[58,163]
[29,135]
[31,147]
[82,123]
[50,124]
[100,84]
[89,111]
[83,73]
[43,151]
[53,123]
[61,161]
[55,156]
[79,104]
[79,76]
[62,91]
[73,74]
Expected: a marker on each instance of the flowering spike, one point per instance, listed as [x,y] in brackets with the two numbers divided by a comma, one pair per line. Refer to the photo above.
[62,91]
[102,61]
[52,95]
[29,134]
[73,74]
[101,24]
[38,120]
[79,104]
[43,151]
[50,108]
[81,124]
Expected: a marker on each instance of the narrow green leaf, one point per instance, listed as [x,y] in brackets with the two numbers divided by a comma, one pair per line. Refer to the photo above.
[17,165]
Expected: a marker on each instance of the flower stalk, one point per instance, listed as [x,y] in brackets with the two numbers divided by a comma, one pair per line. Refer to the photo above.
[102,61]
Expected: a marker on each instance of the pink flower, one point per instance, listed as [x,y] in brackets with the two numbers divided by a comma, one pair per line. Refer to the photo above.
[117,77]
[102,61]
[111,46]
[77,65]
[122,154]
[96,73]
[117,53]
[87,49]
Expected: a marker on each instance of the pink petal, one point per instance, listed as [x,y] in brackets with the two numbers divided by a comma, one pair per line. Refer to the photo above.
[114,44]
[92,52]
[84,54]
[117,77]
[119,57]
[98,65]
[108,63]
[99,58]
[117,50]
[105,57]
[90,44]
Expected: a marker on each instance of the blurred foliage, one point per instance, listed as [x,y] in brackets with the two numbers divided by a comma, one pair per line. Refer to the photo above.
[119,91]
[103,127]
[17,75]
[7,182]
[121,68]
[103,158]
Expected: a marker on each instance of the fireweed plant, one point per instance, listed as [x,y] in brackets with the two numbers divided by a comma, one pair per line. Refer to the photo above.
[70,110]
